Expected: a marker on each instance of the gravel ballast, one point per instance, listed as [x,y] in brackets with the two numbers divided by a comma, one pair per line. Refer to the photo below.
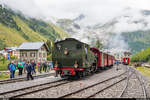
[76,85]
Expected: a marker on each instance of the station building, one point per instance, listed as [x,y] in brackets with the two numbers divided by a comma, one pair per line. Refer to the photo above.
[33,51]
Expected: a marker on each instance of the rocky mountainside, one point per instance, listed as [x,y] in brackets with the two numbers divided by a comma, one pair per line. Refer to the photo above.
[128,31]
[16,28]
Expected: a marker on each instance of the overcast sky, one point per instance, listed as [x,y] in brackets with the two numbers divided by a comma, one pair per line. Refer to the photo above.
[95,10]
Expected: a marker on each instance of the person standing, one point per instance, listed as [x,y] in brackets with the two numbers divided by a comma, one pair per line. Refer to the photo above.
[8,65]
[24,66]
[41,65]
[44,66]
[51,65]
[38,64]
[29,70]
[48,66]
[33,64]
[12,69]
[20,67]
[117,63]
[58,67]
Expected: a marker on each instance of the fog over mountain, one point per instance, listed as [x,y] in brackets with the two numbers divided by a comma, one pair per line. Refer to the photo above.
[91,20]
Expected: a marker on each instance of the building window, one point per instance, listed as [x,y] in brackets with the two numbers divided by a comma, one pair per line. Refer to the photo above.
[44,55]
[42,48]
[32,54]
[24,54]
[21,54]
[40,54]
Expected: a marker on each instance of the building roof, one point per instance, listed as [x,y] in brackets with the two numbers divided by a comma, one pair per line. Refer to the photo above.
[3,52]
[14,48]
[31,46]
[9,49]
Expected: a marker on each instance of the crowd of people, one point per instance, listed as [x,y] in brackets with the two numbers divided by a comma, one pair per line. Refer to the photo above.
[28,67]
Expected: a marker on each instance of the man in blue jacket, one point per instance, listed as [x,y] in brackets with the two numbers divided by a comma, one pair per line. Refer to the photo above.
[29,70]
[12,69]
[117,63]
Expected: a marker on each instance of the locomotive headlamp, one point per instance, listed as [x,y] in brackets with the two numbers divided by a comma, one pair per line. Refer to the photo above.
[75,64]
[66,51]
[56,64]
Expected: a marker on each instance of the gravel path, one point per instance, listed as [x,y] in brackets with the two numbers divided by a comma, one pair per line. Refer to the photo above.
[73,86]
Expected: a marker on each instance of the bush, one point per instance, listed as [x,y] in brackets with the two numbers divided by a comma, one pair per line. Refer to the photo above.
[13,57]
[3,66]
[143,56]
[49,57]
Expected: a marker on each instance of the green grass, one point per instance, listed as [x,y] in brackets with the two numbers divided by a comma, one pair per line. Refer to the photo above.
[4,76]
[4,66]
[145,71]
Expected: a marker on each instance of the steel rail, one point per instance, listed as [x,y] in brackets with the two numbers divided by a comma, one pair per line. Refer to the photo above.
[30,87]
[91,86]
[22,79]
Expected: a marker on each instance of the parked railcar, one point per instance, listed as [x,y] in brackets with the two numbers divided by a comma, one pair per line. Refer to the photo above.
[105,57]
[126,60]
[101,58]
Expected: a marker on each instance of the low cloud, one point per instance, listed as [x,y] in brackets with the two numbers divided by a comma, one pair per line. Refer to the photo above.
[126,13]
[96,10]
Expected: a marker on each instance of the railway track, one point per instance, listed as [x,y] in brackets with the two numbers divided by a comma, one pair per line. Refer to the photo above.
[141,83]
[86,88]
[40,87]
[23,79]
[32,89]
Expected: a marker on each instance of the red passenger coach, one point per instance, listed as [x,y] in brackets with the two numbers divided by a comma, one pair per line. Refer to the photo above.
[105,60]
[99,56]
[113,60]
[109,60]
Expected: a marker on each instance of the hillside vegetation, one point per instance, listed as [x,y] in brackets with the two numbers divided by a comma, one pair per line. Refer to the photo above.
[143,56]
[137,40]
[15,29]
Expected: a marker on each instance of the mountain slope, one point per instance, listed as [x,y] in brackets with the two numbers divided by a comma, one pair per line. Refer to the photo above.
[128,31]
[15,29]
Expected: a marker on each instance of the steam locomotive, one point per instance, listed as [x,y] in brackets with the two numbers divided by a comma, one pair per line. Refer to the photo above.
[74,58]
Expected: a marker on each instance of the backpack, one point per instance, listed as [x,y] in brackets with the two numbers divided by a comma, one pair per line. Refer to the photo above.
[31,66]
[12,67]
[20,64]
